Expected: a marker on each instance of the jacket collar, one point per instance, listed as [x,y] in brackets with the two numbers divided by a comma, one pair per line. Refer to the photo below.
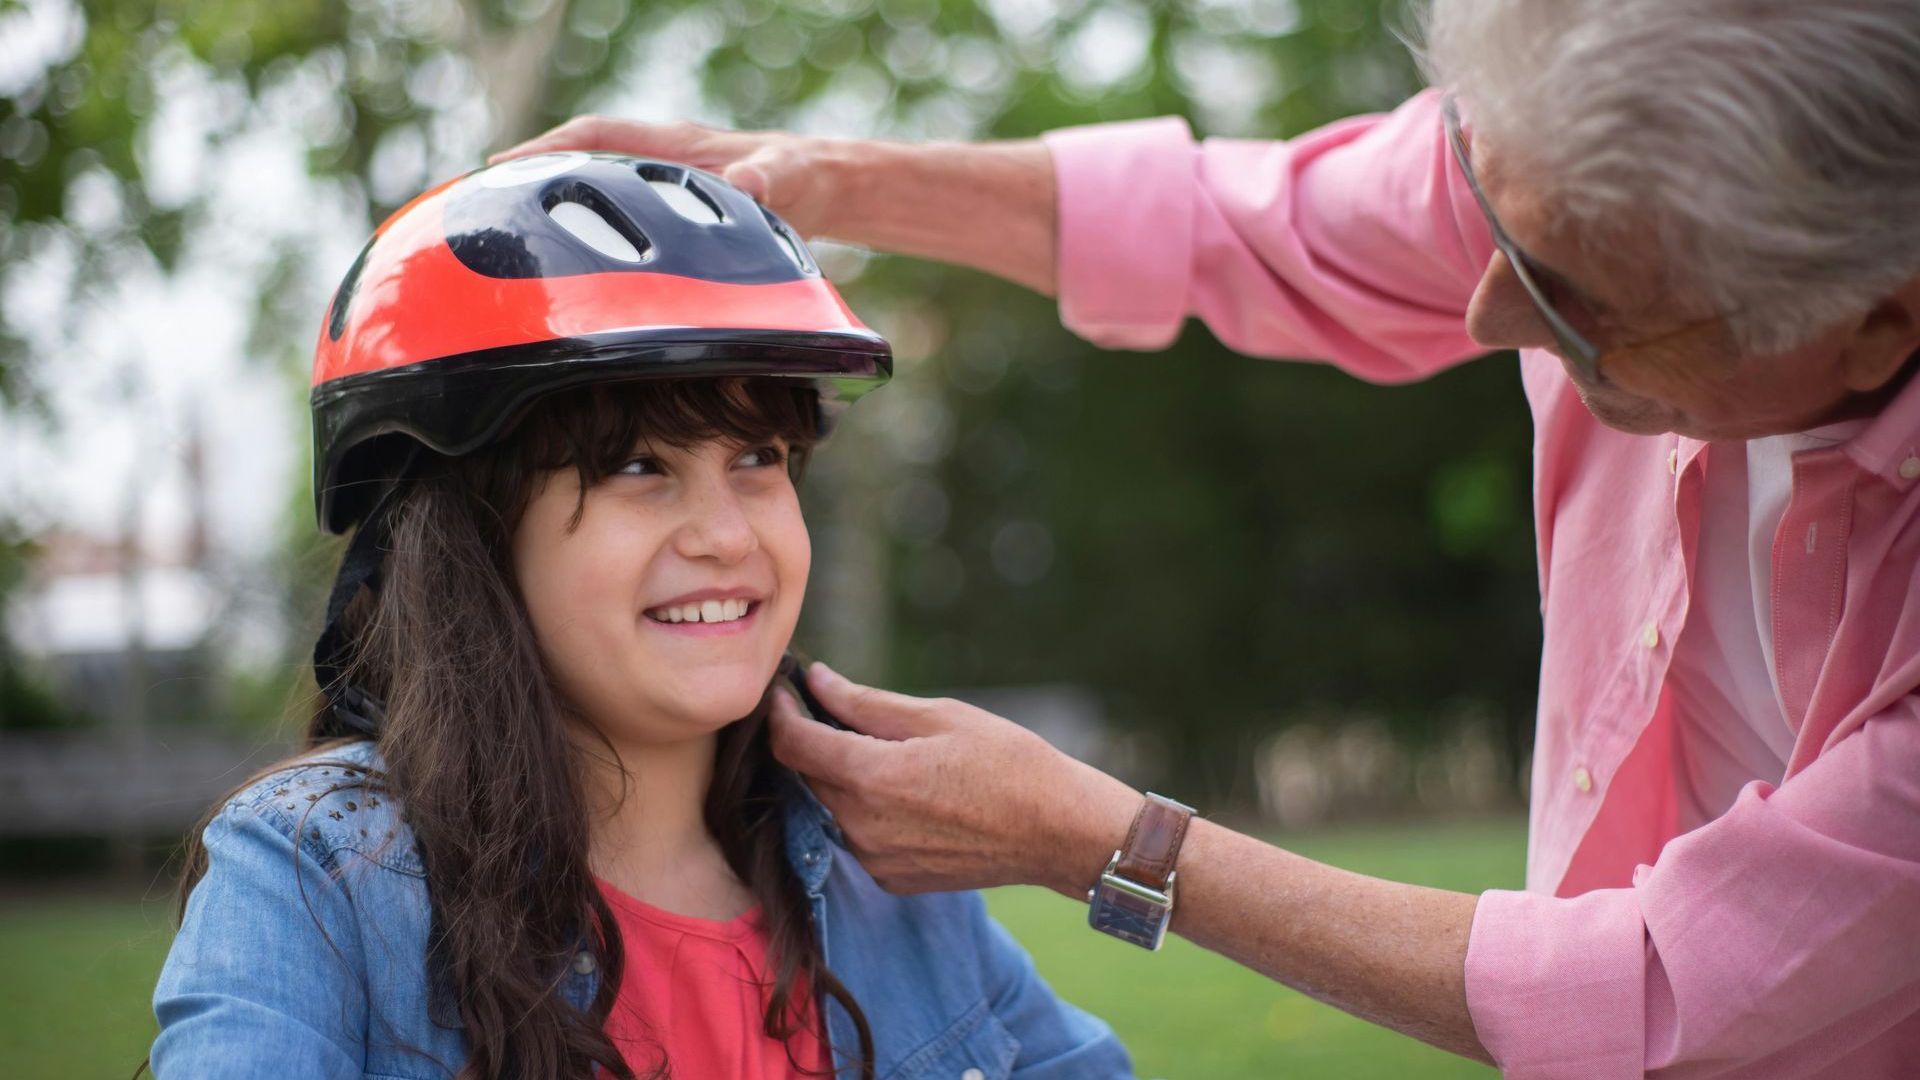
[812,835]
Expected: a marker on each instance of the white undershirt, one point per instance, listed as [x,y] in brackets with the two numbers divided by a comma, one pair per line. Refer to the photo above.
[1730,724]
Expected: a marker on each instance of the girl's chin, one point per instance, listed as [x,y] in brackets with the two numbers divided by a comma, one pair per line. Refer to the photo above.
[685,702]
[711,715]
[672,717]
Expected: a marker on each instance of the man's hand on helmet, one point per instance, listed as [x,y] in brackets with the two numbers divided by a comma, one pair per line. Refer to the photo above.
[792,175]
[985,205]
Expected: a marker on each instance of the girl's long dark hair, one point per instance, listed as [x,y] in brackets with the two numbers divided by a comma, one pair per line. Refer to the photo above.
[476,751]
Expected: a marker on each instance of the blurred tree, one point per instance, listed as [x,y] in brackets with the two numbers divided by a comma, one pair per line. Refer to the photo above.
[1214,545]
[26,703]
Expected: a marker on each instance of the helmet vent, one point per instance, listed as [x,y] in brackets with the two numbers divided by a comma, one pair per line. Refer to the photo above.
[587,224]
[796,250]
[677,189]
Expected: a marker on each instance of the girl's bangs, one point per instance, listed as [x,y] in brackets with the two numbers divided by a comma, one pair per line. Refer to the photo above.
[597,428]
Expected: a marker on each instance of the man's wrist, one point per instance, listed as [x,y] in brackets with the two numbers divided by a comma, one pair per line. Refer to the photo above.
[859,175]
[1087,833]
[926,200]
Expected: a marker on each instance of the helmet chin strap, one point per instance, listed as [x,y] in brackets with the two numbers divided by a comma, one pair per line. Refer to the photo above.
[352,711]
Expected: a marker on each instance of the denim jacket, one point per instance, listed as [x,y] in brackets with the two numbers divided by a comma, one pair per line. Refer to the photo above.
[302,954]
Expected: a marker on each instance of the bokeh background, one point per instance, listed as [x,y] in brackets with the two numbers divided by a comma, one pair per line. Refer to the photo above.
[1304,604]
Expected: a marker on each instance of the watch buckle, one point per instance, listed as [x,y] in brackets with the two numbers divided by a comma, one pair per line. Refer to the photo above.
[1111,878]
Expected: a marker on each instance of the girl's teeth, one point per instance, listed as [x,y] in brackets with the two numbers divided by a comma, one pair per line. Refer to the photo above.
[707,611]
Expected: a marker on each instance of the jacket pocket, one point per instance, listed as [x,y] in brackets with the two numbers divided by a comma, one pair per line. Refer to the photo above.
[974,1047]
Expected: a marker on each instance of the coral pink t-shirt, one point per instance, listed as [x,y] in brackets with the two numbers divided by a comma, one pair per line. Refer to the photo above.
[696,991]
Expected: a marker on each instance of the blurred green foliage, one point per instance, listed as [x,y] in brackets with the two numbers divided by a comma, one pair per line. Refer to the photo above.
[1214,545]
[26,703]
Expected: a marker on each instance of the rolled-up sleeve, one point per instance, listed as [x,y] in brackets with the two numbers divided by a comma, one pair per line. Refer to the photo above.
[1357,244]
[1777,940]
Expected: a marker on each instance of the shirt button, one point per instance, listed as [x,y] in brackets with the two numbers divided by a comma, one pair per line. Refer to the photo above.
[583,962]
[1673,462]
[973,1074]
[1910,469]
[1583,779]
[812,856]
[1650,637]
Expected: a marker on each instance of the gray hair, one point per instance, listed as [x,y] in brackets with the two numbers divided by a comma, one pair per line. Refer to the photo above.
[1772,145]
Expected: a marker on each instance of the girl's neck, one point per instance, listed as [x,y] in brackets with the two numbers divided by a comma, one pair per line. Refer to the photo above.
[647,829]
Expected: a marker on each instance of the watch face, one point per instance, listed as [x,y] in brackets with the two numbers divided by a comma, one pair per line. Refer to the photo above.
[1126,917]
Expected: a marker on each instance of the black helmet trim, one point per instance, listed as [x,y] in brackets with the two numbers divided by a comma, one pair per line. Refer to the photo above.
[456,404]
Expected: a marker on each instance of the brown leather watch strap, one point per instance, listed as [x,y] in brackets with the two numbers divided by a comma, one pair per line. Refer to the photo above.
[1153,844]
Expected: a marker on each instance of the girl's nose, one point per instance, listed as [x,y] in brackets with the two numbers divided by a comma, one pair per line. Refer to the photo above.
[716,526]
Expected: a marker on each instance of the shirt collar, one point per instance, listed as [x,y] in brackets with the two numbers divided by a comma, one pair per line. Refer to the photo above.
[1883,446]
[1889,446]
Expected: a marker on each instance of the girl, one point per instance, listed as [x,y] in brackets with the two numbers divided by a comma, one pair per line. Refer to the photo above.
[538,832]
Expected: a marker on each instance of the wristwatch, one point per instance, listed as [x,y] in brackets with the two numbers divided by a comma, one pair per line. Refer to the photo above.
[1133,900]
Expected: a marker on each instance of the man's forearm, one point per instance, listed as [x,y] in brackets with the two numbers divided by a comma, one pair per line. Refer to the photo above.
[938,794]
[989,206]
[1386,952]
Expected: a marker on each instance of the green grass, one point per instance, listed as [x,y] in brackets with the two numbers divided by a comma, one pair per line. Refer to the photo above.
[76,984]
[76,975]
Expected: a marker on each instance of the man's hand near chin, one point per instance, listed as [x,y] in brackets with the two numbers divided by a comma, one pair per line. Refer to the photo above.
[935,794]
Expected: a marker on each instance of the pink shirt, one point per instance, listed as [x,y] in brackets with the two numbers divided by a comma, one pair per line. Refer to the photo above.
[694,992]
[1783,937]
[1730,724]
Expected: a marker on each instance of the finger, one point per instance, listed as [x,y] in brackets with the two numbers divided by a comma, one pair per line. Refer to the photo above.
[638,137]
[830,795]
[871,711]
[545,144]
[836,798]
[511,152]
[760,173]
[751,177]
[574,134]
[806,745]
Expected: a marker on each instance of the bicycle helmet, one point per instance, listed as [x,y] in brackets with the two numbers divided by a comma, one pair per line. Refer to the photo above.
[541,273]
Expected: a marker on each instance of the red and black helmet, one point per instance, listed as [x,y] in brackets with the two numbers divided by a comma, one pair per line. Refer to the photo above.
[538,274]
[545,272]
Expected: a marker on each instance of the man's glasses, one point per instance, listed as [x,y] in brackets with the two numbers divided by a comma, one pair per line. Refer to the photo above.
[1582,353]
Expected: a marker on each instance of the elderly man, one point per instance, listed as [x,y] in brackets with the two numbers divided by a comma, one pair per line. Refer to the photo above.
[1699,222]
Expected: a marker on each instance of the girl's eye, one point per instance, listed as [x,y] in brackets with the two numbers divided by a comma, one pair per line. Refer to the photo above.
[763,456]
[641,466]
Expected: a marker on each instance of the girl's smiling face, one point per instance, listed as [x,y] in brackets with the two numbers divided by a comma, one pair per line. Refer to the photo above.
[662,611]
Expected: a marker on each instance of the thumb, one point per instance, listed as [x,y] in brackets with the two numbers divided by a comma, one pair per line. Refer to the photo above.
[882,714]
[806,745]
[750,174]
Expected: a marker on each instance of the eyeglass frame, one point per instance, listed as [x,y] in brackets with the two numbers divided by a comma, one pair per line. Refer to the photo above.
[1582,353]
